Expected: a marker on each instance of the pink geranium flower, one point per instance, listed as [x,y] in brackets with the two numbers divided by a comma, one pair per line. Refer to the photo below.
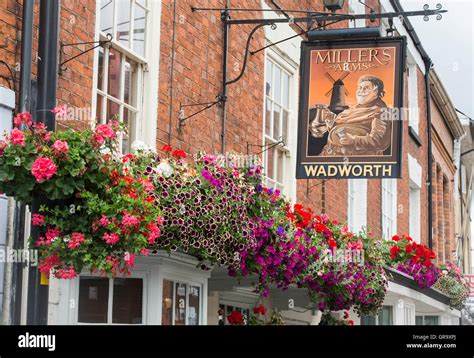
[76,240]
[60,110]
[104,130]
[37,219]
[22,118]
[43,169]
[42,131]
[3,145]
[17,137]
[111,239]
[60,147]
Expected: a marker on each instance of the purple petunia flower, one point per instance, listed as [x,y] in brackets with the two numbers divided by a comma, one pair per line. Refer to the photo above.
[280,231]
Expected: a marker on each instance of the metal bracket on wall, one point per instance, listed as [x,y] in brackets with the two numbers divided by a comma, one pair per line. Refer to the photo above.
[62,68]
[182,118]
[266,146]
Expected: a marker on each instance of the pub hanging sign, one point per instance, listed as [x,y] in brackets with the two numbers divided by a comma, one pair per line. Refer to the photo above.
[350,115]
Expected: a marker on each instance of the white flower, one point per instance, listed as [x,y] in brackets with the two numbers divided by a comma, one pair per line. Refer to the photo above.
[105,151]
[138,146]
[164,169]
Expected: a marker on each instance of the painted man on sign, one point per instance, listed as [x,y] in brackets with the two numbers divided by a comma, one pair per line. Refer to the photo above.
[360,130]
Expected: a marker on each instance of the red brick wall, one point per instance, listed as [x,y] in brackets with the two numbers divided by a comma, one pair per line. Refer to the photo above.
[77,24]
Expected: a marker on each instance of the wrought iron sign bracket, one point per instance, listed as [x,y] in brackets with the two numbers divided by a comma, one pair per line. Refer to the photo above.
[314,21]
[62,68]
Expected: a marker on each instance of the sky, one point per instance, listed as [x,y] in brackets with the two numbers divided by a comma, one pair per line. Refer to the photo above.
[449,43]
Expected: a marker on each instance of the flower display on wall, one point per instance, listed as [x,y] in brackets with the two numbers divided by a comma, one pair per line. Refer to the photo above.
[453,284]
[105,208]
[413,259]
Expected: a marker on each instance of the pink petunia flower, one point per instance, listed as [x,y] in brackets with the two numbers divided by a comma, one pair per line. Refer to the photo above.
[43,169]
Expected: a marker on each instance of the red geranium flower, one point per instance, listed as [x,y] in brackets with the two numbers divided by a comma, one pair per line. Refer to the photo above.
[178,154]
[394,251]
[167,148]
[396,238]
[235,318]
[260,310]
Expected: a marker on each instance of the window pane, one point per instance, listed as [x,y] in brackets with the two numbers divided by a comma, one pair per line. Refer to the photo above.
[276,121]
[129,136]
[277,84]
[286,90]
[385,316]
[167,303]
[280,159]
[194,311]
[98,110]
[139,30]
[367,320]
[106,15]
[129,82]
[268,78]
[269,169]
[180,304]
[127,301]
[142,2]
[113,110]
[284,126]
[123,22]
[431,320]
[100,71]
[114,73]
[268,119]
[93,299]
[419,320]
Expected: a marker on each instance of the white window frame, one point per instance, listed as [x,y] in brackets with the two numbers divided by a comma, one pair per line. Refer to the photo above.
[134,274]
[413,106]
[423,316]
[188,283]
[415,174]
[288,152]
[64,294]
[389,207]
[144,128]
[356,204]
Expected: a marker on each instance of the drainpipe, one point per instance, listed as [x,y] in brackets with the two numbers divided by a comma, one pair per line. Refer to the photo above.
[37,313]
[428,65]
[223,96]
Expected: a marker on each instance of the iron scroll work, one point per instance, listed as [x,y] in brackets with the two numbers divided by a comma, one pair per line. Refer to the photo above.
[351,109]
